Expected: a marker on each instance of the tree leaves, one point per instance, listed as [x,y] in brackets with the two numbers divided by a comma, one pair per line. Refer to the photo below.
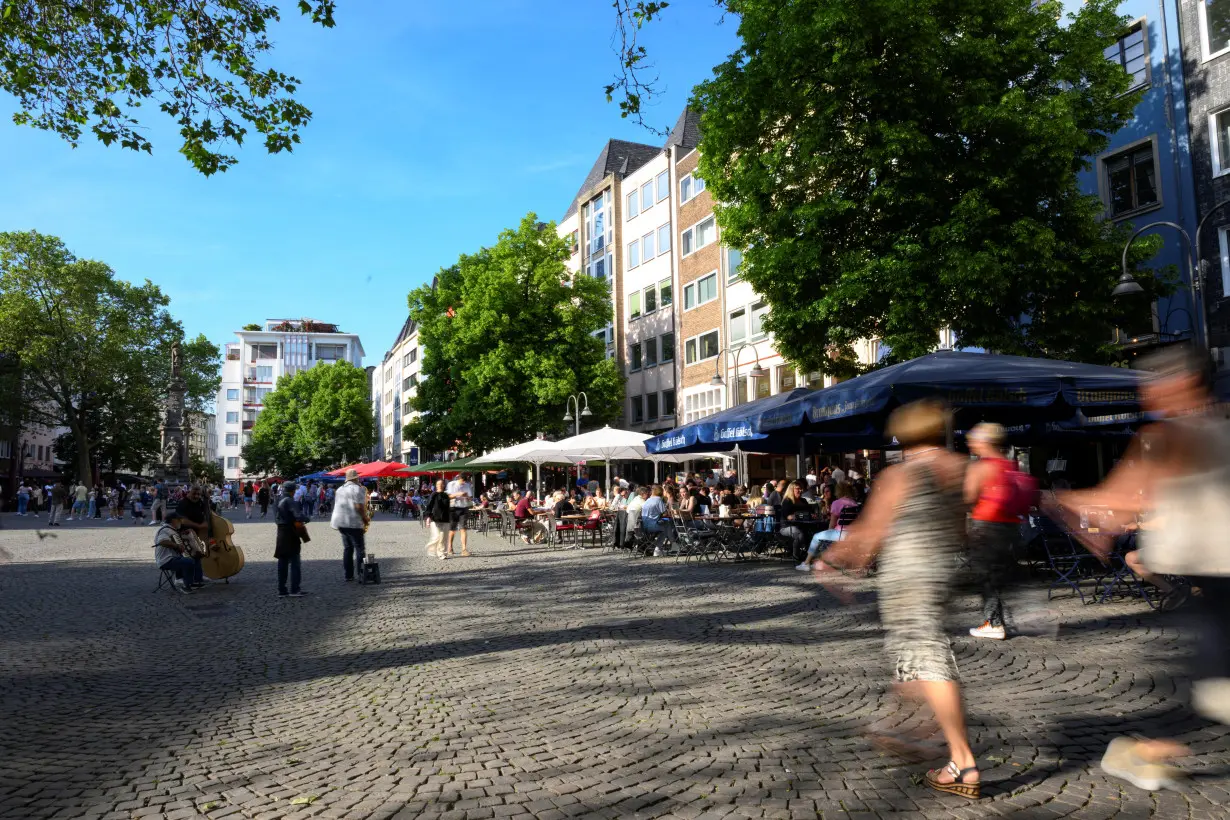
[94,350]
[315,419]
[507,336]
[72,66]
[894,167]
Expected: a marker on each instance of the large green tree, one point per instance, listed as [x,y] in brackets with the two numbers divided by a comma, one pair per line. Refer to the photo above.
[78,65]
[315,419]
[507,336]
[894,167]
[94,350]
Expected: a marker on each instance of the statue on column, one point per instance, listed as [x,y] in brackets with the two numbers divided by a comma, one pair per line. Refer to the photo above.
[174,452]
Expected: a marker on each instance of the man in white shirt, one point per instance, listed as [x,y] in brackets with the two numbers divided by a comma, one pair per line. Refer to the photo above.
[839,475]
[350,517]
[460,498]
[811,478]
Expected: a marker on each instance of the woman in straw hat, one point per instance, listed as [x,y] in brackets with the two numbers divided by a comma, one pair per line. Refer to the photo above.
[914,522]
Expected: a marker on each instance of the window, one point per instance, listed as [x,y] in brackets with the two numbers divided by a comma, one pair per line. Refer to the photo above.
[1129,51]
[330,353]
[704,403]
[664,291]
[40,452]
[647,196]
[232,439]
[651,298]
[634,208]
[668,347]
[664,239]
[651,406]
[1131,181]
[232,394]
[264,352]
[1219,126]
[647,247]
[599,267]
[264,373]
[598,233]
[664,185]
[1223,236]
[699,236]
[699,348]
[247,437]
[1214,27]
[634,253]
[249,395]
[388,374]
[689,187]
[699,292]
[785,379]
[668,402]
[232,463]
[232,416]
[738,326]
[638,410]
[634,357]
[759,311]
[634,306]
[651,353]
[734,264]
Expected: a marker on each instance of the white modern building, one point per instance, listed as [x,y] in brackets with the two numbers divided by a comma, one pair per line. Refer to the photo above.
[395,382]
[252,366]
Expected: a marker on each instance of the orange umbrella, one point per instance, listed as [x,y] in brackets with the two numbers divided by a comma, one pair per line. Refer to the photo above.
[374,469]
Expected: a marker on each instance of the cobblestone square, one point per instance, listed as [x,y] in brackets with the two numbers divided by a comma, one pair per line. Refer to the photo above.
[525,683]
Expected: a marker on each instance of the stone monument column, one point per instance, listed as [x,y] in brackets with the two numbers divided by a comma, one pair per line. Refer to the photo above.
[174,463]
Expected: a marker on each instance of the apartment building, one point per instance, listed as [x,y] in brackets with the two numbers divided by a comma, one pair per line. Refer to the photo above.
[254,362]
[394,382]
[594,225]
[203,436]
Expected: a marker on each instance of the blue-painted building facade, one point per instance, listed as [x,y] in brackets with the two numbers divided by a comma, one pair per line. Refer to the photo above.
[1145,174]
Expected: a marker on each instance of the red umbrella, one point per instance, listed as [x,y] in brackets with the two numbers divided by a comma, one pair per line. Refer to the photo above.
[374,469]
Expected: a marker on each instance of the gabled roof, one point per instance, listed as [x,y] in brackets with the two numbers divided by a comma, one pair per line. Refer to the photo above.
[686,133]
[617,157]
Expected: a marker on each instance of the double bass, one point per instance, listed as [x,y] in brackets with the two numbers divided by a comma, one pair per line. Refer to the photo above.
[223,558]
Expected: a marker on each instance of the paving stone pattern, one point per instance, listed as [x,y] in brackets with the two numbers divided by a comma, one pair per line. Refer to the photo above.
[521,683]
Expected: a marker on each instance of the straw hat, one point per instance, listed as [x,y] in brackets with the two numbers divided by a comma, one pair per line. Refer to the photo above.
[352,475]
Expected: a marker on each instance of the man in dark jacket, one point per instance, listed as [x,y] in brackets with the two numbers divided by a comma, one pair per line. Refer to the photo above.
[436,513]
[289,520]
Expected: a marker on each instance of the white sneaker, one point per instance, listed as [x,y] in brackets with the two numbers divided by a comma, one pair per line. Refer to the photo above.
[1121,760]
[995,633]
[182,587]
[657,552]
[803,567]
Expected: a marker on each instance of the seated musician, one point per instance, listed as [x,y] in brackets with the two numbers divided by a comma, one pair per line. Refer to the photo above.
[171,553]
[194,511]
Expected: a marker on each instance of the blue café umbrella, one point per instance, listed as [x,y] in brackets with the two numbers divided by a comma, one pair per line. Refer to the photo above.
[724,430]
[1006,388]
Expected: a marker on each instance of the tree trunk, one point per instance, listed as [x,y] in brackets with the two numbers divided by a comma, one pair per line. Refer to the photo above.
[84,473]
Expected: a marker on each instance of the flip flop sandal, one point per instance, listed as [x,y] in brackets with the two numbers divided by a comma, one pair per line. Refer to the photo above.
[971,791]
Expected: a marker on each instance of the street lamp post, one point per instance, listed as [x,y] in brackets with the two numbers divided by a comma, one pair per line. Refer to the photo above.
[575,401]
[757,372]
[1196,267]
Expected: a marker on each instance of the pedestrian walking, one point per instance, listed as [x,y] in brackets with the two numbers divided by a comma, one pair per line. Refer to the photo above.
[158,510]
[460,499]
[1000,494]
[914,523]
[289,545]
[350,518]
[92,500]
[55,505]
[1176,474]
[262,496]
[248,497]
[81,497]
[436,514]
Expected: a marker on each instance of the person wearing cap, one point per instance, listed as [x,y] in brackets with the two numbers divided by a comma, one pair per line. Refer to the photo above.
[288,517]
[460,498]
[170,554]
[350,517]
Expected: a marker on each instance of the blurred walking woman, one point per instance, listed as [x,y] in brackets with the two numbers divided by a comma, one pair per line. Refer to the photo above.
[914,521]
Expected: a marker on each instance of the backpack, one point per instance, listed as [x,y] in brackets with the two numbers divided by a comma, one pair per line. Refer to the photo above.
[1024,492]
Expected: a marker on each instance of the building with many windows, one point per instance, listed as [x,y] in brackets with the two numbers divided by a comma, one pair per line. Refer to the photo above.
[252,365]
[203,437]
[394,382]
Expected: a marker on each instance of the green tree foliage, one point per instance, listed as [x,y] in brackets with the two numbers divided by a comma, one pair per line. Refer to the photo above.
[315,419]
[204,471]
[94,350]
[74,65]
[892,167]
[507,337]
[251,326]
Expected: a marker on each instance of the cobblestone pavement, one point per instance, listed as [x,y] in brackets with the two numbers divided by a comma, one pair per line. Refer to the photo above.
[525,683]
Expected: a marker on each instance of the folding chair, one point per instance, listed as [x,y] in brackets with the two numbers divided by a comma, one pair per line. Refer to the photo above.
[1067,559]
[166,578]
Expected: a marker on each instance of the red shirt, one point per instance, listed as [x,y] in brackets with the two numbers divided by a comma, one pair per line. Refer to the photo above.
[998,495]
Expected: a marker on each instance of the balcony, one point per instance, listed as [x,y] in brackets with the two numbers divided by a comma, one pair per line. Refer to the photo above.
[247,425]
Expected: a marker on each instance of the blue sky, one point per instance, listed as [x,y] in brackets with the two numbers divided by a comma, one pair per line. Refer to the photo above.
[436,126]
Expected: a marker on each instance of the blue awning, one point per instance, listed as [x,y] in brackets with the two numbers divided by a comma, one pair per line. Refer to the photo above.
[723,430]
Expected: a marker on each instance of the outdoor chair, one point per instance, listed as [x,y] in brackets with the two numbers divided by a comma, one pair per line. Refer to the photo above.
[1070,563]
[693,540]
[166,578]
